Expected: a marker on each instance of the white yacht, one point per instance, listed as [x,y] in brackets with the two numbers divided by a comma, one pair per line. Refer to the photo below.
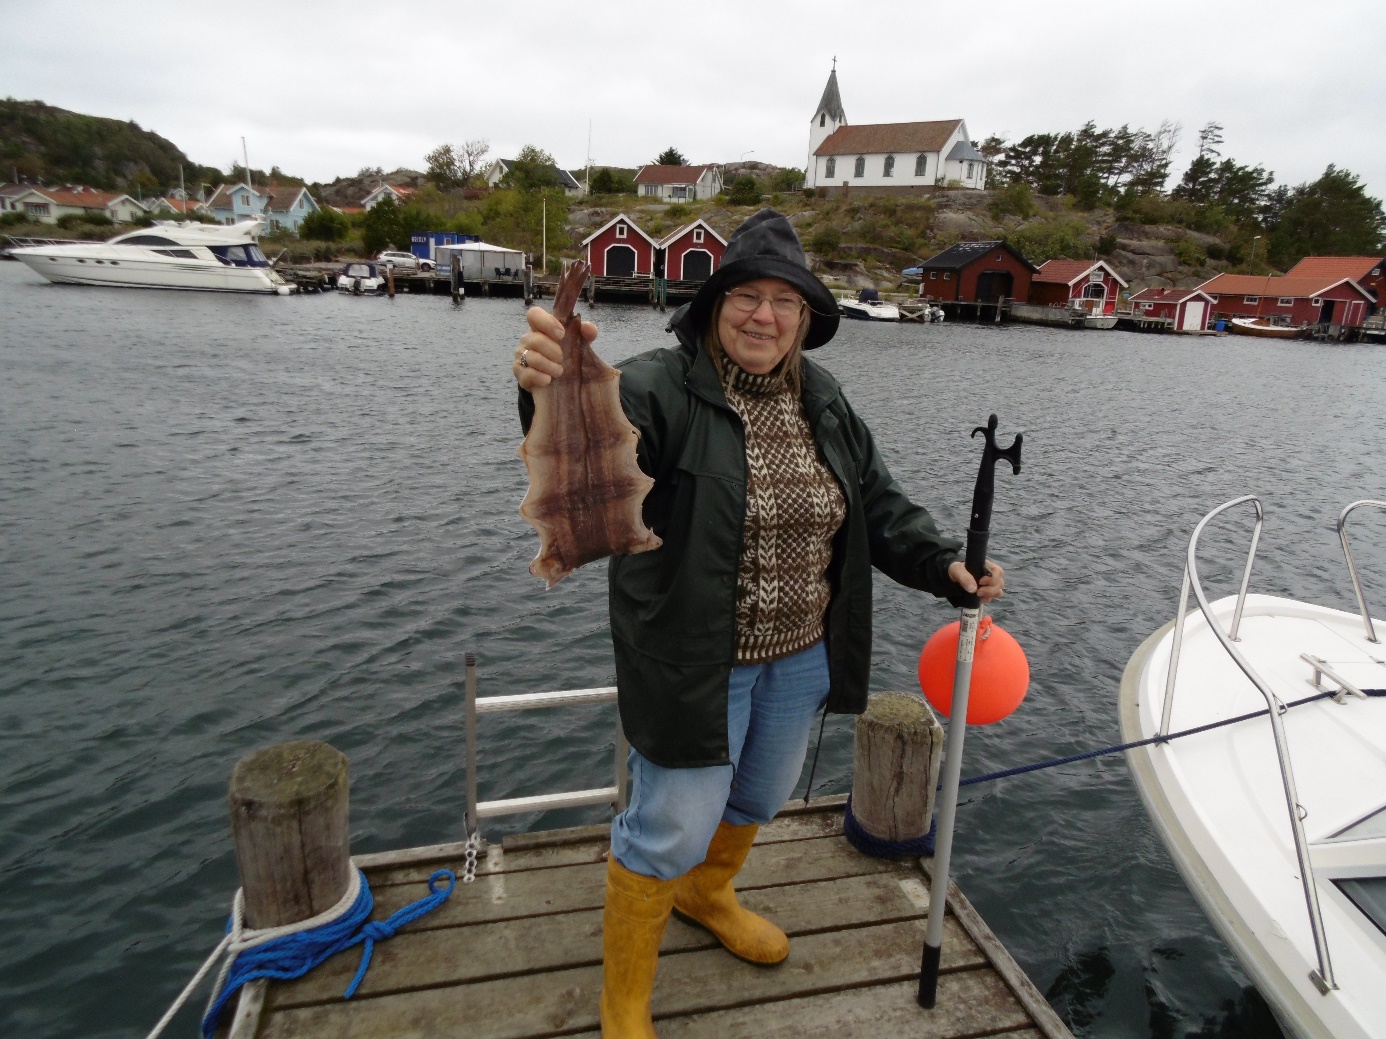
[1274,807]
[166,255]
[868,306]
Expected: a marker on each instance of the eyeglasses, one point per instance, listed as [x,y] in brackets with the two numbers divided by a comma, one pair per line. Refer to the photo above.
[743,301]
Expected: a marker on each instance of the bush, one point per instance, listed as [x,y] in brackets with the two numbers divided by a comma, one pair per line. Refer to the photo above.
[71,220]
[1042,240]
[325,225]
[678,212]
[1106,245]
[744,191]
[11,219]
[1217,251]
[825,240]
[1014,199]
[788,179]
[1189,254]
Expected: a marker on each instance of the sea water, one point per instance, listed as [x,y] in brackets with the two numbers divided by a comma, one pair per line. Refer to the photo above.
[229,521]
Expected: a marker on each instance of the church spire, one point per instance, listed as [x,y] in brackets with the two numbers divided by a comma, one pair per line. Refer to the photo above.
[832,99]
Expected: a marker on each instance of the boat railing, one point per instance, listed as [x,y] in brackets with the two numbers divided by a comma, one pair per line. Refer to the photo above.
[614,795]
[1352,569]
[1323,977]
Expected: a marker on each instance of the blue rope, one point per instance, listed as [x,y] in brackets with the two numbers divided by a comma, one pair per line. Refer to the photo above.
[877,847]
[1123,747]
[294,955]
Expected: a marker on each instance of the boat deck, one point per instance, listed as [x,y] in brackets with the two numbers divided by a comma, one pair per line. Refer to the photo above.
[518,952]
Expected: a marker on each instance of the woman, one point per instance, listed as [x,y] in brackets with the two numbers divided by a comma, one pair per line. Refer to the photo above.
[773,506]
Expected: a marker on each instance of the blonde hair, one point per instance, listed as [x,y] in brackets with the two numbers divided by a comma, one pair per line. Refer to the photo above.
[787,373]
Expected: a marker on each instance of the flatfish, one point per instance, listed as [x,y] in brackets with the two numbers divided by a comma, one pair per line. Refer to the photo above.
[585,485]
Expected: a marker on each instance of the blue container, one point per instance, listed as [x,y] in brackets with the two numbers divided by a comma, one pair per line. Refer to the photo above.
[1220,326]
[423,244]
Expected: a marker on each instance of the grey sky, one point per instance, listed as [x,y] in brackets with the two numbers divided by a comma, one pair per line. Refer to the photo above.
[323,89]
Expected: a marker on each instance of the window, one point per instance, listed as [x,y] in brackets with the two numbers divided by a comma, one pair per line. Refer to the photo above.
[947,276]
[1285,301]
[1213,298]
[823,119]
[933,275]
[1316,301]
[698,234]
[620,230]
[1376,273]
[182,254]
[861,167]
[831,169]
[920,164]
[36,208]
[971,167]
[649,189]
[1251,299]
[889,169]
[678,192]
[1147,306]
[146,239]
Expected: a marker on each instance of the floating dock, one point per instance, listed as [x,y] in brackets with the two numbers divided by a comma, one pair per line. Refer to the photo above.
[517,954]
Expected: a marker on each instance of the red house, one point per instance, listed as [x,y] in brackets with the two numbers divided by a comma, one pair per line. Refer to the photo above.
[690,253]
[976,272]
[1079,284]
[619,249]
[1367,271]
[1189,309]
[1290,301]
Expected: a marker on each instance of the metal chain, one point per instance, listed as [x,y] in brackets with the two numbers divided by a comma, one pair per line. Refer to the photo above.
[473,849]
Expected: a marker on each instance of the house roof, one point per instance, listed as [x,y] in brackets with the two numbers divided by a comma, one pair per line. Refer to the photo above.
[1253,285]
[875,138]
[281,200]
[674,235]
[615,219]
[1155,294]
[956,257]
[221,197]
[76,196]
[653,174]
[565,179]
[964,152]
[831,102]
[14,189]
[1335,267]
[1066,272]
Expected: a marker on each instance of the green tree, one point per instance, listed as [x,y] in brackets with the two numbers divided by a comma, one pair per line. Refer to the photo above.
[787,179]
[532,170]
[380,226]
[1042,240]
[325,225]
[671,156]
[1334,216]
[443,167]
[744,191]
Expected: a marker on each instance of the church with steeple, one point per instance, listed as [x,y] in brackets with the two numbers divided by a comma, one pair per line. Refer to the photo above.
[888,158]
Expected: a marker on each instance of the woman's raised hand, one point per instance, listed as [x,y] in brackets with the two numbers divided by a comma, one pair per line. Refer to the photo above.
[538,358]
[993,583]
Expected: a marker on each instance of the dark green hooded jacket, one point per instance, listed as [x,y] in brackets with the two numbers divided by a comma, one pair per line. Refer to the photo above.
[673,610]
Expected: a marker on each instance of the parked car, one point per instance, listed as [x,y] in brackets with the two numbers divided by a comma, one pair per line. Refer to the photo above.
[404,261]
[912,274]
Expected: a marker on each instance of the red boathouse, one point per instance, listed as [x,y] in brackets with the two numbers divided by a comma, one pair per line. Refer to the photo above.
[691,252]
[976,272]
[1189,309]
[1367,271]
[1290,301]
[619,249]
[1089,285]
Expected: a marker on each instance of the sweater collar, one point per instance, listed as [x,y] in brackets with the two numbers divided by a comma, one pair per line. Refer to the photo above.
[736,379]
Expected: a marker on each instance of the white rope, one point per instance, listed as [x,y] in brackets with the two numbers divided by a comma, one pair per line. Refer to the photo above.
[241,937]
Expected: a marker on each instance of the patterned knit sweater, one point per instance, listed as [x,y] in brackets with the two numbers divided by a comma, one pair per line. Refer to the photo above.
[794,506]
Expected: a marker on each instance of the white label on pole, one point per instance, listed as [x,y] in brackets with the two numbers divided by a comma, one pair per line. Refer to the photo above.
[967,635]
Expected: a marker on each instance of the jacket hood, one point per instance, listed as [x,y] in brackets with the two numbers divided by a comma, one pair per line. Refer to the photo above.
[765,246]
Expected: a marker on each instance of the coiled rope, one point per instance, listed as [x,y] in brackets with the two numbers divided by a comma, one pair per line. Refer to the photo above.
[291,951]
[875,846]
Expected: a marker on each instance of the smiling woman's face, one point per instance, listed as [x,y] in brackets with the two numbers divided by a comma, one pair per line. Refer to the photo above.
[760,340]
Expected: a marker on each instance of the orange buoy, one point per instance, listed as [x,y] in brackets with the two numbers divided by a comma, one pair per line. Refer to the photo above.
[1000,672]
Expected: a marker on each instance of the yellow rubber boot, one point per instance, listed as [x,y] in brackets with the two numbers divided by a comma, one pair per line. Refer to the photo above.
[637,908]
[704,895]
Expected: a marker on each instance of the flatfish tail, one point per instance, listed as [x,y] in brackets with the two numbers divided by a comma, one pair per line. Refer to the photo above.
[586,488]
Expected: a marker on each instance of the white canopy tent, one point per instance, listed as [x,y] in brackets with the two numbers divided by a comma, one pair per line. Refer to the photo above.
[483,262]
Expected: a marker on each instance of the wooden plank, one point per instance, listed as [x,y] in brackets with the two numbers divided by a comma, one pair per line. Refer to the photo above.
[505,896]
[451,956]
[1041,1013]
[970,1003]
[560,1001]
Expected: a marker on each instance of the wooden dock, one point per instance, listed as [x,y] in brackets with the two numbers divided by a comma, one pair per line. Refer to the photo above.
[518,953]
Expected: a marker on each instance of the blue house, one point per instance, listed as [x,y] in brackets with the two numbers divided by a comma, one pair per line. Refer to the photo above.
[284,208]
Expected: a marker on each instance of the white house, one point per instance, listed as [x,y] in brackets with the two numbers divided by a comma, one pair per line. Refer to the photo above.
[47,205]
[498,169]
[678,183]
[399,192]
[895,158]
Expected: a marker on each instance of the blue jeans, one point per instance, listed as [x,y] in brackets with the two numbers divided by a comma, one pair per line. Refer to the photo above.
[674,812]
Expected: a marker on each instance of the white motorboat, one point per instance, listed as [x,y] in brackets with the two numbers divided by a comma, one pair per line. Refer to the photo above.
[868,306]
[360,276]
[1277,819]
[166,255]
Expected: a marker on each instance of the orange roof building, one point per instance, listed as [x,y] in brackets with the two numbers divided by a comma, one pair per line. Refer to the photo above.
[1091,285]
[1367,271]
[1295,301]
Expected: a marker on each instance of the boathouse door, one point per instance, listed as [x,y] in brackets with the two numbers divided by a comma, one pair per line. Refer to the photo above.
[697,265]
[991,284]
[620,261]
[1193,317]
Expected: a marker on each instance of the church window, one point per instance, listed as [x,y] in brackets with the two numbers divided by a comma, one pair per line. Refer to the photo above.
[822,118]
[831,170]
[971,167]
[889,168]
[860,171]
[921,163]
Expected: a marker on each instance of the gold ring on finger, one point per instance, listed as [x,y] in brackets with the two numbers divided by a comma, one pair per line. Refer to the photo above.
[524,360]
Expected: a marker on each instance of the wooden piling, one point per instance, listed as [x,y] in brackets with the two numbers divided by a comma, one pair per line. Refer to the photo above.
[529,284]
[899,745]
[289,807]
[390,281]
[455,275]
